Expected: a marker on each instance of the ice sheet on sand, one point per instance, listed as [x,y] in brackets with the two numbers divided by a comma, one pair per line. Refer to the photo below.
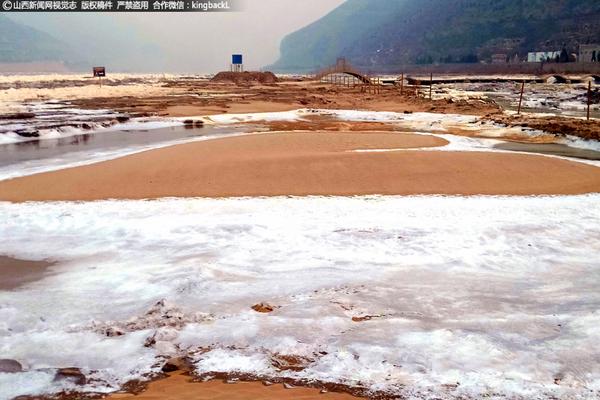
[8,134]
[20,88]
[250,117]
[426,297]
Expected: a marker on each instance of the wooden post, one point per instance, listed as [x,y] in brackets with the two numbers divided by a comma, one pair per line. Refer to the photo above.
[430,86]
[402,84]
[589,99]
[521,97]
[100,81]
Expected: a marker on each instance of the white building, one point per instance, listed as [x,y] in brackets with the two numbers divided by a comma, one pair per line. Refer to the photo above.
[588,51]
[539,56]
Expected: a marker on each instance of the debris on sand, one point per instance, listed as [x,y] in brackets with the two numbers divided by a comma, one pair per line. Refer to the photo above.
[73,375]
[263,308]
[557,125]
[245,77]
[284,362]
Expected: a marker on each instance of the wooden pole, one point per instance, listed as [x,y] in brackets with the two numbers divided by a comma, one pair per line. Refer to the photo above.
[521,97]
[589,99]
[402,84]
[430,86]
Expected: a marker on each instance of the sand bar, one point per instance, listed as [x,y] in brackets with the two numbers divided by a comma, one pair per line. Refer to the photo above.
[180,387]
[315,163]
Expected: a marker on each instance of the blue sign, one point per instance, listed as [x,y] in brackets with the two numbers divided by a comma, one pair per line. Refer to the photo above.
[236,59]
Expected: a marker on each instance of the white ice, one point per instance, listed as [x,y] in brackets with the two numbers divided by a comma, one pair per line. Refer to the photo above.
[472,297]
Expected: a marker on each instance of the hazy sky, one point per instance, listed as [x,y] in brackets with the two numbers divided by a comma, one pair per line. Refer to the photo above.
[192,42]
[206,40]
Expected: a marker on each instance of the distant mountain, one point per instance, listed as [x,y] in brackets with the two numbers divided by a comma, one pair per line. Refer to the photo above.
[20,43]
[372,33]
[82,41]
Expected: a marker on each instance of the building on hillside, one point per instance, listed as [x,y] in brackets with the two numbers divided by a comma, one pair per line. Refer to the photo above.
[542,56]
[589,53]
[499,58]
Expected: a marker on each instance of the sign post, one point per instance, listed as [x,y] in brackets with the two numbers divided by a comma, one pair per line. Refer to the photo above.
[99,72]
[430,86]
[589,99]
[521,97]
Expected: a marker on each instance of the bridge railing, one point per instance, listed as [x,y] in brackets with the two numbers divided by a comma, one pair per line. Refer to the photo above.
[342,68]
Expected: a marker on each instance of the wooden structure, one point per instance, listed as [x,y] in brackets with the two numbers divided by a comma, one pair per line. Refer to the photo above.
[342,67]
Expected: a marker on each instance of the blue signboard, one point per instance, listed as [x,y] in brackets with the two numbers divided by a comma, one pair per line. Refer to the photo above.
[236,59]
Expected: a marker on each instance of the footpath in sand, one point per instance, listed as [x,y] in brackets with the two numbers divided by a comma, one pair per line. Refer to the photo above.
[314,163]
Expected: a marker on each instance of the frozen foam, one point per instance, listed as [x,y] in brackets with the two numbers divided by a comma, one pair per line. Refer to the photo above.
[418,296]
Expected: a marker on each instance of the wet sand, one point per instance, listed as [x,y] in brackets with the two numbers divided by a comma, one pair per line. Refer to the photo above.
[241,107]
[179,387]
[315,163]
[15,273]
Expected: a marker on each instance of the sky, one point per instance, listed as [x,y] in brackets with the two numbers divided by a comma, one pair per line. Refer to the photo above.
[193,42]
[208,40]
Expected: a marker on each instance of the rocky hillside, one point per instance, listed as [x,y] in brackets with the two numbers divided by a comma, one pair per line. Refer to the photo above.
[20,43]
[392,32]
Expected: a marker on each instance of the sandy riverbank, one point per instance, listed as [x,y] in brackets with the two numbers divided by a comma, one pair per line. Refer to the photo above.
[313,163]
[180,387]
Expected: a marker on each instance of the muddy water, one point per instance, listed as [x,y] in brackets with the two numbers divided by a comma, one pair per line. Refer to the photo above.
[14,153]
[15,273]
[554,149]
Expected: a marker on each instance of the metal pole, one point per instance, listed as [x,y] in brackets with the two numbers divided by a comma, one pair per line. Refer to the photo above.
[521,97]
[589,99]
